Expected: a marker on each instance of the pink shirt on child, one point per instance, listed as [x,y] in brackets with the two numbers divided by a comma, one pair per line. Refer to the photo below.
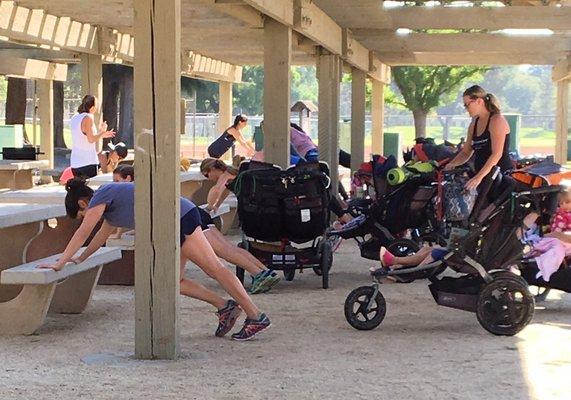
[561,221]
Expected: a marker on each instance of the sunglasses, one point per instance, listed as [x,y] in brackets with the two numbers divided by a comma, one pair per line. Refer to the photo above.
[466,105]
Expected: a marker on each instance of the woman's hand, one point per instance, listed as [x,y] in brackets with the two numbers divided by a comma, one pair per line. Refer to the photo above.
[103,126]
[56,267]
[108,134]
[473,183]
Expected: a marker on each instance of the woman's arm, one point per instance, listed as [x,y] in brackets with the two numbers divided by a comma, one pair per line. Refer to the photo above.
[87,129]
[498,131]
[466,151]
[98,240]
[240,138]
[90,220]
[217,194]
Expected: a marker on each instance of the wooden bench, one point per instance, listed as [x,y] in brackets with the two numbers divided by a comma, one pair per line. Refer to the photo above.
[66,291]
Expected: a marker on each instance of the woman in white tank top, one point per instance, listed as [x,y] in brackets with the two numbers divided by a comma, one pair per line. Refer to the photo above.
[84,137]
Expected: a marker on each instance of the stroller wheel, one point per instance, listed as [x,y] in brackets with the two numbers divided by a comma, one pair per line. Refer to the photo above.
[505,305]
[325,262]
[289,274]
[356,312]
[540,294]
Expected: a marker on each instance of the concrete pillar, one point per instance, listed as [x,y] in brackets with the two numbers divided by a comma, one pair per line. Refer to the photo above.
[358,86]
[328,76]
[562,121]
[277,61]
[377,116]
[157,193]
[46,96]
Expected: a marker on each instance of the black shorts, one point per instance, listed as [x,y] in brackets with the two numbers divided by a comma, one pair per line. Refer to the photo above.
[85,172]
[205,218]
[188,223]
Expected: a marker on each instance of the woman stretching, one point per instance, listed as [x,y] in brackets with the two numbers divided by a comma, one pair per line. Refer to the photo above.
[263,279]
[115,204]
[225,141]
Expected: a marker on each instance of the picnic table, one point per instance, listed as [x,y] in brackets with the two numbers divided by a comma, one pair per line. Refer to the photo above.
[193,185]
[44,194]
[25,233]
[17,174]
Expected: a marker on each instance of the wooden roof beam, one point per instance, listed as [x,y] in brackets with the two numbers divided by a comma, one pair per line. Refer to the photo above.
[562,70]
[32,69]
[383,41]
[199,66]
[469,58]
[490,18]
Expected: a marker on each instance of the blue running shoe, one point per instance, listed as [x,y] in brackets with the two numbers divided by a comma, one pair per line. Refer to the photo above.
[252,327]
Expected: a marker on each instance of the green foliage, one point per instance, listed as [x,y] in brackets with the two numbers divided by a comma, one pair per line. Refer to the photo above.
[425,88]
[248,96]
[303,84]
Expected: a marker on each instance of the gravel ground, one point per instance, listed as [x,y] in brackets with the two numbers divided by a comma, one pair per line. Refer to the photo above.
[420,351]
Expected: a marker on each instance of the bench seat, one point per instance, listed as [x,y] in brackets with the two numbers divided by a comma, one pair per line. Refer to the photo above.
[67,291]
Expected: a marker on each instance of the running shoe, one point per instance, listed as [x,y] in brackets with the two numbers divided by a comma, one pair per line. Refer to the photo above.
[256,281]
[227,317]
[252,327]
[271,280]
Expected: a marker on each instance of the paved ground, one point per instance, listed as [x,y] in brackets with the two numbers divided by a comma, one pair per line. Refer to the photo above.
[421,351]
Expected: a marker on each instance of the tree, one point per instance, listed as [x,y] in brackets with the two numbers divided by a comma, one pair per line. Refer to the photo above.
[425,88]
[248,97]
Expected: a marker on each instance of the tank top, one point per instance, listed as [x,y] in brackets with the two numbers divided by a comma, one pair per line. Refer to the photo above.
[221,145]
[482,146]
[83,153]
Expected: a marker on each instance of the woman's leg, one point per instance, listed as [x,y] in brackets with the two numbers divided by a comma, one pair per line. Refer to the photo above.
[195,290]
[197,249]
[233,254]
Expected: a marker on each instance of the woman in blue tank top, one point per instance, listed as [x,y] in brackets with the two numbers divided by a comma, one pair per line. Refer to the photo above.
[115,204]
[234,133]
[488,136]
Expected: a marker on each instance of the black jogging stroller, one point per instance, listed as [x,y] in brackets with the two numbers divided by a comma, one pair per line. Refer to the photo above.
[481,259]
[284,216]
[382,220]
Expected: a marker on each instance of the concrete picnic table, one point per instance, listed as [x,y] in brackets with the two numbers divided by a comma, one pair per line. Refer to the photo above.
[44,194]
[191,182]
[25,236]
[17,174]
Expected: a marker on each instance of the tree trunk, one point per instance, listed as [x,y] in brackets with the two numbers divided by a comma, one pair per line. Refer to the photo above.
[16,104]
[125,132]
[419,123]
[58,115]
[110,103]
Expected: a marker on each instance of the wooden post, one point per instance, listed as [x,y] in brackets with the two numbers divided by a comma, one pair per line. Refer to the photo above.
[46,95]
[328,76]
[277,77]
[225,105]
[182,116]
[562,121]
[92,80]
[357,118]
[157,143]
[378,117]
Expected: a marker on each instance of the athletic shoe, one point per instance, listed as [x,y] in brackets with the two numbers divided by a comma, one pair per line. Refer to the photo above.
[387,258]
[271,280]
[264,281]
[227,317]
[256,280]
[252,327]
